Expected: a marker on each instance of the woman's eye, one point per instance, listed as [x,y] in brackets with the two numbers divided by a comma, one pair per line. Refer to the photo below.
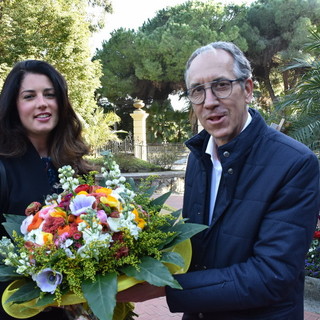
[28,96]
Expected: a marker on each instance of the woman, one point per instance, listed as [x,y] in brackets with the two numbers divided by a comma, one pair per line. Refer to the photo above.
[39,132]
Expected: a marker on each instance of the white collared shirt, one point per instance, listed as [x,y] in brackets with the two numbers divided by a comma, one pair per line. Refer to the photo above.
[217,169]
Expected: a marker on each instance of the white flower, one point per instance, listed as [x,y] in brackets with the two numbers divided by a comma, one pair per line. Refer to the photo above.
[25,224]
[35,236]
[114,224]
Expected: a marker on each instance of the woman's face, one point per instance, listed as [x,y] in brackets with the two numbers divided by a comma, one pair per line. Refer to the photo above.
[37,105]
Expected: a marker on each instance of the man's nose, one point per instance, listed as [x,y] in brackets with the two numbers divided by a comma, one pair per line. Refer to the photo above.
[210,98]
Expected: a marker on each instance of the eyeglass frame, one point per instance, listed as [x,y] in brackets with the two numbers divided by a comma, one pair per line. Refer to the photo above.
[212,82]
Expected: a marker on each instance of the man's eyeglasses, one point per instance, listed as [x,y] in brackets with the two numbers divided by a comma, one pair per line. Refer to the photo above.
[220,88]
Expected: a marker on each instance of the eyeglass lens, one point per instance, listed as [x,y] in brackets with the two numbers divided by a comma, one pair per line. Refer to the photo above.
[221,89]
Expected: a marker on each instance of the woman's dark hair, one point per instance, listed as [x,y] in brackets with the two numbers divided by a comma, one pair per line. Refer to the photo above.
[65,145]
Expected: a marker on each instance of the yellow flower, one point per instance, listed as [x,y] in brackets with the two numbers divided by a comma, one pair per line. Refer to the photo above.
[58,213]
[47,237]
[83,192]
[140,222]
[111,201]
[106,191]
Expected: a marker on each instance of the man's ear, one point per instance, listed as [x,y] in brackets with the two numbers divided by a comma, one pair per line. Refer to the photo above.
[248,90]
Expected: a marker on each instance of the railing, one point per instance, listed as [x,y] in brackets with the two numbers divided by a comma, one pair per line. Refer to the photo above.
[162,154]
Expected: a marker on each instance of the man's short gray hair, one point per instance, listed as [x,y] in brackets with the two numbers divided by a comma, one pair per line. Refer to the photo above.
[241,66]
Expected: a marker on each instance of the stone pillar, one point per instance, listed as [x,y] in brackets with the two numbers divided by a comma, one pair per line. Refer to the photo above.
[139,117]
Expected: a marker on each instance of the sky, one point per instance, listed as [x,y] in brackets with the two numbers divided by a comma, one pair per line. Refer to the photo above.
[131,14]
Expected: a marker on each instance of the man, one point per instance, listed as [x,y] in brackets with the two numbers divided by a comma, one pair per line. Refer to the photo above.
[256,188]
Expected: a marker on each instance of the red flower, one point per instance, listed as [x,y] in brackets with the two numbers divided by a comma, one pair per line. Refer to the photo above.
[65,201]
[122,252]
[82,187]
[52,224]
[32,208]
[316,234]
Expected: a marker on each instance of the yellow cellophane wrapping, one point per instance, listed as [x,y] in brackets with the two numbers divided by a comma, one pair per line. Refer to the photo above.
[29,309]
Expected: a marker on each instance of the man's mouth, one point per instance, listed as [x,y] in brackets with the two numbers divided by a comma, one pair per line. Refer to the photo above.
[216,118]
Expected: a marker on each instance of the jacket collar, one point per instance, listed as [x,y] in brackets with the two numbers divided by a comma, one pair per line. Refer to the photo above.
[236,146]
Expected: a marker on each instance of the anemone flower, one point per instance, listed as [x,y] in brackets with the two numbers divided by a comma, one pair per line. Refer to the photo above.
[81,203]
[47,280]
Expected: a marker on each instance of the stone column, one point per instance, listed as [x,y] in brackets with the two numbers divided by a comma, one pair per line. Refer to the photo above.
[139,117]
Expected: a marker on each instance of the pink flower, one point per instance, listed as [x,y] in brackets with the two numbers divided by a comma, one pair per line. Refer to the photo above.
[102,216]
[44,213]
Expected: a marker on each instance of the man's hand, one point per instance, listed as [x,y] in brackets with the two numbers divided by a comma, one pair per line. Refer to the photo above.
[141,292]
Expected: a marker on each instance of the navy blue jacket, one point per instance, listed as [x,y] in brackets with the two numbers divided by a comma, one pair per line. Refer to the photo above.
[249,264]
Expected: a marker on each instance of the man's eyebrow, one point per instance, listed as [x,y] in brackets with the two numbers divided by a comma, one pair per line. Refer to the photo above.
[193,85]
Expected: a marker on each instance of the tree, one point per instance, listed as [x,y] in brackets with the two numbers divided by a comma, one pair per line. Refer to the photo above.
[166,124]
[149,64]
[275,30]
[302,103]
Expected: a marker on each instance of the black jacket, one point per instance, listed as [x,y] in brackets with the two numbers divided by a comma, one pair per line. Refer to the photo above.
[27,182]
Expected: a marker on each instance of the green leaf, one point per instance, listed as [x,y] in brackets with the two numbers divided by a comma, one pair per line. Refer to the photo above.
[26,292]
[8,273]
[132,184]
[176,214]
[172,257]
[45,300]
[185,231]
[160,200]
[154,272]
[13,223]
[151,190]
[101,295]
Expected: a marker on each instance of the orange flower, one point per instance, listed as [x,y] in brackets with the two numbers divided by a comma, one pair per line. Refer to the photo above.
[63,229]
[36,221]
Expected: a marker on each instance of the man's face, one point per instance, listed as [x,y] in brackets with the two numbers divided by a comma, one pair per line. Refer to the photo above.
[222,118]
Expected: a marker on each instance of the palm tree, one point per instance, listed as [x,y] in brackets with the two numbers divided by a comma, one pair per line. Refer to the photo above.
[302,104]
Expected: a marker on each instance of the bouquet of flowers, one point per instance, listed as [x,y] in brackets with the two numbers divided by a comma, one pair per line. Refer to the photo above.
[89,242]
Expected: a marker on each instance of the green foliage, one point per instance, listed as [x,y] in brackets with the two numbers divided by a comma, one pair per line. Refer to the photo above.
[149,64]
[98,129]
[302,103]
[129,163]
[166,124]
[275,31]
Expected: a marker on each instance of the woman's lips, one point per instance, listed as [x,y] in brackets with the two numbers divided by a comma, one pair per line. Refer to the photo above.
[43,116]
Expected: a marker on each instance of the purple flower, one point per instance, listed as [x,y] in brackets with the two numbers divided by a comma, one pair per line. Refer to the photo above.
[81,203]
[47,280]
